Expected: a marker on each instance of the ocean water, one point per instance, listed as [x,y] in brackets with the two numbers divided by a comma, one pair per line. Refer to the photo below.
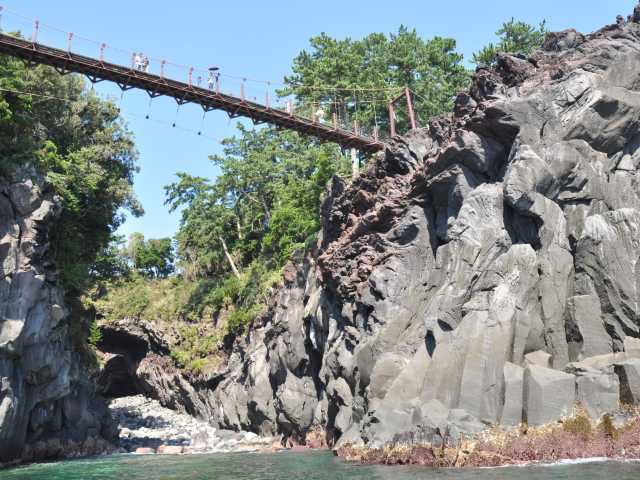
[295,466]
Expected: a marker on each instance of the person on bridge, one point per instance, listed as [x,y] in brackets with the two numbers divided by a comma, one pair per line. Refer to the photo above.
[320,115]
[137,61]
[214,75]
[145,63]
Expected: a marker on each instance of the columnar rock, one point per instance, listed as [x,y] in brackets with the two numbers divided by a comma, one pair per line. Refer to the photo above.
[598,392]
[549,394]
[513,395]
[482,269]
[45,394]
[629,373]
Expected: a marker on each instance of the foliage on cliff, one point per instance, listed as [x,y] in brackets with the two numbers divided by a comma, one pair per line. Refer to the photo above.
[516,37]
[80,143]
[237,230]
[263,204]
[349,76]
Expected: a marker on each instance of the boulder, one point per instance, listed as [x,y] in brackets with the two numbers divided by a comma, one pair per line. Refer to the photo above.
[144,451]
[598,392]
[539,358]
[549,394]
[513,394]
[599,362]
[169,450]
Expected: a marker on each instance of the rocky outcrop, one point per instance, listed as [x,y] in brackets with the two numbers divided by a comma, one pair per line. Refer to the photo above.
[136,362]
[47,402]
[482,270]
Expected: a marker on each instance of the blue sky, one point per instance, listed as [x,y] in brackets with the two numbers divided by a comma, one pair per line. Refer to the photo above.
[257,39]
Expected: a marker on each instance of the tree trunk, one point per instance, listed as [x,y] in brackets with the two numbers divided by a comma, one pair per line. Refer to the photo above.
[267,213]
[238,228]
[229,258]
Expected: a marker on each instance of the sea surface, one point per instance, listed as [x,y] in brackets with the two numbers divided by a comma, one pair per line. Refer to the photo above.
[295,466]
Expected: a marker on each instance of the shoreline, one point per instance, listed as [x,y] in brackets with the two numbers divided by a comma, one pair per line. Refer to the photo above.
[571,440]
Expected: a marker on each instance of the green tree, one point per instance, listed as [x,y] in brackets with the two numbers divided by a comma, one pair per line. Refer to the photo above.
[111,262]
[516,37]
[80,143]
[263,204]
[152,258]
[371,71]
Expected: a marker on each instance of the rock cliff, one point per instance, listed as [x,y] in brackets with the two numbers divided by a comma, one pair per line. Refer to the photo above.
[482,270]
[47,402]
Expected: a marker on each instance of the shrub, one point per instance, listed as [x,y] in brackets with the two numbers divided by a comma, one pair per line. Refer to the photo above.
[241,318]
[607,428]
[95,334]
[579,424]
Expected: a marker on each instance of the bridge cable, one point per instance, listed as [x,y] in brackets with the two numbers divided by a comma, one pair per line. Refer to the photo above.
[176,117]
[149,108]
[202,122]
[122,112]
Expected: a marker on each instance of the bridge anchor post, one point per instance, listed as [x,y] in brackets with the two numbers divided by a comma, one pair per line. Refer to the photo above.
[412,115]
[392,120]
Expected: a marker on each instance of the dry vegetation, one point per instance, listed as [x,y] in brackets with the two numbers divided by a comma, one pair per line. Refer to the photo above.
[573,438]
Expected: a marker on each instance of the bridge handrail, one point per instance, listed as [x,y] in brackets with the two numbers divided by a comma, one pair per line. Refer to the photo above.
[129,77]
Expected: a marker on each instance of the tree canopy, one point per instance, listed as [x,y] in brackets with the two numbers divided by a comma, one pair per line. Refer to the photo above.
[152,258]
[263,204]
[371,71]
[79,142]
[516,37]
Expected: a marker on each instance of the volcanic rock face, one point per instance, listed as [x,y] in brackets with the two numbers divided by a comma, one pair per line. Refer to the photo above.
[482,270]
[46,399]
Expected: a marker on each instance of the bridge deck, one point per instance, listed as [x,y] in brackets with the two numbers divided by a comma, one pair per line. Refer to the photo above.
[156,85]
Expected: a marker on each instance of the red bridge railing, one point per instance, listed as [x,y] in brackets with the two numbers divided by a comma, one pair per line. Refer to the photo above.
[191,91]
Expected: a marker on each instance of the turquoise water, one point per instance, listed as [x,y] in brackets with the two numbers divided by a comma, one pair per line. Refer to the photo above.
[292,466]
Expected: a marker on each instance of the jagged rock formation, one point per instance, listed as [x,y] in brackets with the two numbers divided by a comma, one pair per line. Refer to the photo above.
[482,270]
[47,402]
[136,361]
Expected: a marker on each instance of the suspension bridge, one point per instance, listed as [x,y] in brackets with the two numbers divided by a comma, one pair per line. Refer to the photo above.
[127,76]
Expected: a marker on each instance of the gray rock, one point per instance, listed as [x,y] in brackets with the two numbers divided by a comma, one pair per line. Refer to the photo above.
[599,362]
[46,396]
[549,394]
[539,358]
[632,347]
[501,237]
[598,392]
[628,372]
[586,314]
[513,394]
